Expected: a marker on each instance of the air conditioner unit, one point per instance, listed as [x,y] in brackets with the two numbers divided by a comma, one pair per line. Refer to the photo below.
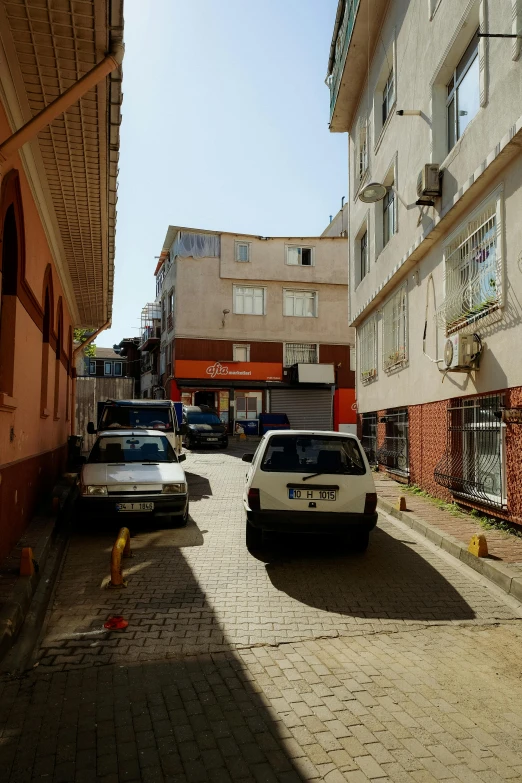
[461,352]
[429,181]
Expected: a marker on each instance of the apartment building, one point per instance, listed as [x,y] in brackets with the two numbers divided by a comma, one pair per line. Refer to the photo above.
[149,348]
[254,324]
[431,98]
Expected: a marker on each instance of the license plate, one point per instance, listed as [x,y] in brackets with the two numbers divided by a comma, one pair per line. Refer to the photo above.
[135,507]
[212,438]
[312,494]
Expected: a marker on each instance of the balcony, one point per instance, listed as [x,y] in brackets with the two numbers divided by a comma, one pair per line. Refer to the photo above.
[355,34]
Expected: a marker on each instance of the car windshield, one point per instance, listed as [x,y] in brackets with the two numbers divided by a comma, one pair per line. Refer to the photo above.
[132,448]
[313,454]
[202,418]
[144,418]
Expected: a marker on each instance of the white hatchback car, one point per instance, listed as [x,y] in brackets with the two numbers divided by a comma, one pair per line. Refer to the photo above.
[317,482]
[134,471]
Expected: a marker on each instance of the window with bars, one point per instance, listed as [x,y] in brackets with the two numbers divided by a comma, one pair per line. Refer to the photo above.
[301,353]
[473,269]
[369,436]
[395,330]
[388,96]
[367,363]
[300,303]
[474,461]
[394,453]
[249,300]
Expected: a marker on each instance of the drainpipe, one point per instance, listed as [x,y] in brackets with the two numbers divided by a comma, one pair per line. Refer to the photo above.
[76,351]
[73,94]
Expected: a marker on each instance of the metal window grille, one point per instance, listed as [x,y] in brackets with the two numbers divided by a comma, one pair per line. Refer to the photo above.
[473,271]
[394,453]
[369,436]
[300,353]
[368,350]
[473,464]
[388,215]
[395,330]
[388,96]
[364,255]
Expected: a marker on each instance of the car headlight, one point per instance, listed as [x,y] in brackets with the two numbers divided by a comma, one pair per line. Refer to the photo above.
[173,489]
[95,490]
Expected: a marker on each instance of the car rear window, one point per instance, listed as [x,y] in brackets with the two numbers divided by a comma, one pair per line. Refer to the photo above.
[195,417]
[132,448]
[314,454]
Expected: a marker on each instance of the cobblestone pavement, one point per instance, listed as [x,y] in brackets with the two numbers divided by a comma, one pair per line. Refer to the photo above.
[309,664]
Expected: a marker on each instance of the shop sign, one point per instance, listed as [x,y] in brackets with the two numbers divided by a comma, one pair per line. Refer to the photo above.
[217,371]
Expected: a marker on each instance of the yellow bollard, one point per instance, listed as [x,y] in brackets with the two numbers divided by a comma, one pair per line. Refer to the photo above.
[120,549]
[401,503]
[478,546]
[26,562]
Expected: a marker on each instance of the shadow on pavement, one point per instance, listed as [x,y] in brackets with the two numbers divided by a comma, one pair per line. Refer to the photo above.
[166,699]
[389,581]
[199,486]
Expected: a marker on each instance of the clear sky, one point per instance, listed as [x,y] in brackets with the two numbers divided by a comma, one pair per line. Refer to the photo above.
[225,127]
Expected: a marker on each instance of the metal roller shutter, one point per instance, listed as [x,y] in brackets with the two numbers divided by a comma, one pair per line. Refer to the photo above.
[307,409]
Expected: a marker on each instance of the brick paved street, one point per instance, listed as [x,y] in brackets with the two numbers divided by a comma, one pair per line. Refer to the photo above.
[309,664]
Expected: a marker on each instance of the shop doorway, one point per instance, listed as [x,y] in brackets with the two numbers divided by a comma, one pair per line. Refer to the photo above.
[205,398]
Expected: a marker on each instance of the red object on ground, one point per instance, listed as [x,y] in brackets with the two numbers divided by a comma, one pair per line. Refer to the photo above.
[116,623]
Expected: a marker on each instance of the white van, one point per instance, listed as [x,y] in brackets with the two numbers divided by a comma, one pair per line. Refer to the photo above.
[140,414]
[305,481]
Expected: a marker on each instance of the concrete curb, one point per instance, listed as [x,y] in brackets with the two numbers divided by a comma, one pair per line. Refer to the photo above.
[13,613]
[500,574]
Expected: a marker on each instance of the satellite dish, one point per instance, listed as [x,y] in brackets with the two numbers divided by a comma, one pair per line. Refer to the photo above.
[373,192]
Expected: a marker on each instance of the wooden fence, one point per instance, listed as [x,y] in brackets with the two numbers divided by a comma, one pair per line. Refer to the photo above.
[90,391]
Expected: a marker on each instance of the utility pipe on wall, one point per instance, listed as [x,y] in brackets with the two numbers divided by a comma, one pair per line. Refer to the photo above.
[73,94]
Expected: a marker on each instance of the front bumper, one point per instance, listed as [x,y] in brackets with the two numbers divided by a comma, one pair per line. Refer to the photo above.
[106,505]
[311,521]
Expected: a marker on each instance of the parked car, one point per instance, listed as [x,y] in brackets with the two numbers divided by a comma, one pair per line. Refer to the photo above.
[316,482]
[203,427]
[134,471]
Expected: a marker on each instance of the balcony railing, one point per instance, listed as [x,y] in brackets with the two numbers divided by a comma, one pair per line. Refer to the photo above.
[341,49]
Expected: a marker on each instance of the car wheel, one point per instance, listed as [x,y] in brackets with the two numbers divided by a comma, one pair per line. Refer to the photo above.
[360,540]
[254,537]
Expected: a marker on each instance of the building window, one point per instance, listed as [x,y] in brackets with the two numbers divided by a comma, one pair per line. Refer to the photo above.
[163,313]
[463,101]
[364,256]
[394,453]
[388,96]
[433,5]
[249,300]
[473,268]
[107,368]
[243,251]
[367,363]
[301,353]
[474,462]
[118,368]
[395,330]
[300,303]
[362,152]
[369,436]
[248,405]
[299,256]
[388,215]
[92,368]
[241,353]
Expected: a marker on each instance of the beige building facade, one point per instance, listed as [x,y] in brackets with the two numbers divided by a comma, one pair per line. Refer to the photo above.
[431,100]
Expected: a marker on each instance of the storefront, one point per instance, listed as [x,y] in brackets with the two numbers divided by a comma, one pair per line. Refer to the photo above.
[236,390]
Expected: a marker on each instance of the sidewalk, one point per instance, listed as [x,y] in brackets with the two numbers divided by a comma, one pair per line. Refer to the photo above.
[503,565]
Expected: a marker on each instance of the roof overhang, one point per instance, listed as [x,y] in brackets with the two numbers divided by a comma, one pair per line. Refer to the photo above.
[72,165]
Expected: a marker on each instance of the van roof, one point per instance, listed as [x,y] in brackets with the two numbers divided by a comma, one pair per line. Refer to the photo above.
[144,403]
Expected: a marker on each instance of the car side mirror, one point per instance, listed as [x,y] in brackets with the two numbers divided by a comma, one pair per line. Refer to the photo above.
[247,457]
[90,428]
[182,458]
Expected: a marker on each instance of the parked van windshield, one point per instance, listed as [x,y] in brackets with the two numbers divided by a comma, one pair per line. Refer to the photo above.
[194,417]
[313,453]
[132,448]
[145,418]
